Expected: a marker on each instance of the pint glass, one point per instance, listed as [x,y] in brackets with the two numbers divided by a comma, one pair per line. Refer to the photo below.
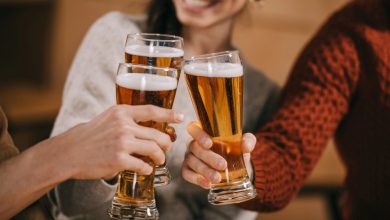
[159,50]
[141,85]
[215,82]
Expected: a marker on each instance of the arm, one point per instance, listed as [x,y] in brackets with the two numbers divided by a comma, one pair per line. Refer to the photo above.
[25,178]
[82,154]
[89,90]
[315,100]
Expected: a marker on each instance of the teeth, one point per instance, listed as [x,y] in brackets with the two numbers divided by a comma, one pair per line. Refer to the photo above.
[198,3]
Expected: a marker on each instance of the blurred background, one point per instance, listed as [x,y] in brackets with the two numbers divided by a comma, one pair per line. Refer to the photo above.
[40,37]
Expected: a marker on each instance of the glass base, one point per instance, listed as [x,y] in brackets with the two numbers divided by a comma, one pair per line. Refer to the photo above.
[224,195]
[132,211]
[162,177]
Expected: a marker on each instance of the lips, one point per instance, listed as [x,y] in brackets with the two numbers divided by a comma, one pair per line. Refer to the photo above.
[201,3]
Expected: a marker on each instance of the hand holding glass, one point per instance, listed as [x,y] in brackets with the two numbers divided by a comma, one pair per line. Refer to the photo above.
[215,82]
[141,85]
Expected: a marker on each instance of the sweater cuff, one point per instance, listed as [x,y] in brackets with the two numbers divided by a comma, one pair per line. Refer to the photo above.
[112,184]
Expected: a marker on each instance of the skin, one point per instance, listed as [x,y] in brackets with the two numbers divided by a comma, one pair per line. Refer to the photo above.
[93,150]
[215,22]
[199,26]
[201,165]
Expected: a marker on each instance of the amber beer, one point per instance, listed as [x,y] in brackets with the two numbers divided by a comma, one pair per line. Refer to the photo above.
[135,193]
[143,89]
[157,50]
[217,93]
[158,56]
[218,101]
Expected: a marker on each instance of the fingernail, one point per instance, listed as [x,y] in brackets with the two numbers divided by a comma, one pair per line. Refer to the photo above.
[221,164]
[215,177]
[179,117]
[250,143]
[206,142]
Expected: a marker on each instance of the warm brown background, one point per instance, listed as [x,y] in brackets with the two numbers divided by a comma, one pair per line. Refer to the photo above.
[40,38]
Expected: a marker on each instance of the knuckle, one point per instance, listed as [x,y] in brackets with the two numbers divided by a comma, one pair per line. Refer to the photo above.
[121,130]
[138,167]
[192,147]
[121,160]
[168,147]
[159,155]
[163,139]
[115,111]
[171,115]
[142,167]
[186,156]
[121,141]
[192,162]
[184,171]
[200,167]
[121,122]
[151,109]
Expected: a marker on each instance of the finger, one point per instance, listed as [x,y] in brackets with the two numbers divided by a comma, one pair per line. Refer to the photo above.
[212,159]
[154,113]
[194,178]
[199,135]
[248,143]
[137,165]
[146,148]
[162,139]
[201,168]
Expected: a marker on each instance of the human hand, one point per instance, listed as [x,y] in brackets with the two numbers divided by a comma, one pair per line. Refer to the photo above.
[201,165]
[108,143]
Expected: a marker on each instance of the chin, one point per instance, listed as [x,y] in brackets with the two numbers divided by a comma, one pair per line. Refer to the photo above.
[195,24]
[190,21]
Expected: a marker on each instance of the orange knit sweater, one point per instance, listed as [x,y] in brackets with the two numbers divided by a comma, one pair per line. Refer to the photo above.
[340,87]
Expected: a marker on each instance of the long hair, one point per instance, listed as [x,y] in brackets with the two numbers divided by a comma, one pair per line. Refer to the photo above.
[162,18]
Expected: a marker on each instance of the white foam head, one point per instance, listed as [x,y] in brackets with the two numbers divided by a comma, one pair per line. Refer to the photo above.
[154,51]
[146,82]
[226,70]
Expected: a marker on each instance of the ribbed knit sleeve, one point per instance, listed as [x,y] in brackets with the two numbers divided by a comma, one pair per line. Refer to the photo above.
[314,101]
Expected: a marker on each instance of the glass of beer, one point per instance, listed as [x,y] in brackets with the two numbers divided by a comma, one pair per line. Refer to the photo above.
[159,50]
[215,82]
[141,85]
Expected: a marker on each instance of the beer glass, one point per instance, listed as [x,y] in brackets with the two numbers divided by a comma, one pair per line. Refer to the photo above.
[141,85]
[160,50]
[215,82]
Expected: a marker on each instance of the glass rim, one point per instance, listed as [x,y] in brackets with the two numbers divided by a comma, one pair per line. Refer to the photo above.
[212,55]
[143,36]
[167,69]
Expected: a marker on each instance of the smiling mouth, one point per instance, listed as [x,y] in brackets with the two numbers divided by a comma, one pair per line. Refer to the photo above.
[201,3]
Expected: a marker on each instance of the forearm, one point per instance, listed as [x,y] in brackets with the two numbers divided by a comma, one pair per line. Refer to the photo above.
[28,176]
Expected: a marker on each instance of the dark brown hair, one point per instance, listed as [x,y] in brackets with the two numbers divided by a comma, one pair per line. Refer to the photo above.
[162,18]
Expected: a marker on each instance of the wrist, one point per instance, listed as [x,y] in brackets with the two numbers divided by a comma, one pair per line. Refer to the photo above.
[54,160]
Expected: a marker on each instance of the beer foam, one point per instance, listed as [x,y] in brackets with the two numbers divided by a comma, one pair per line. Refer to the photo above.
[154,51]
[146,82]
[226,70]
